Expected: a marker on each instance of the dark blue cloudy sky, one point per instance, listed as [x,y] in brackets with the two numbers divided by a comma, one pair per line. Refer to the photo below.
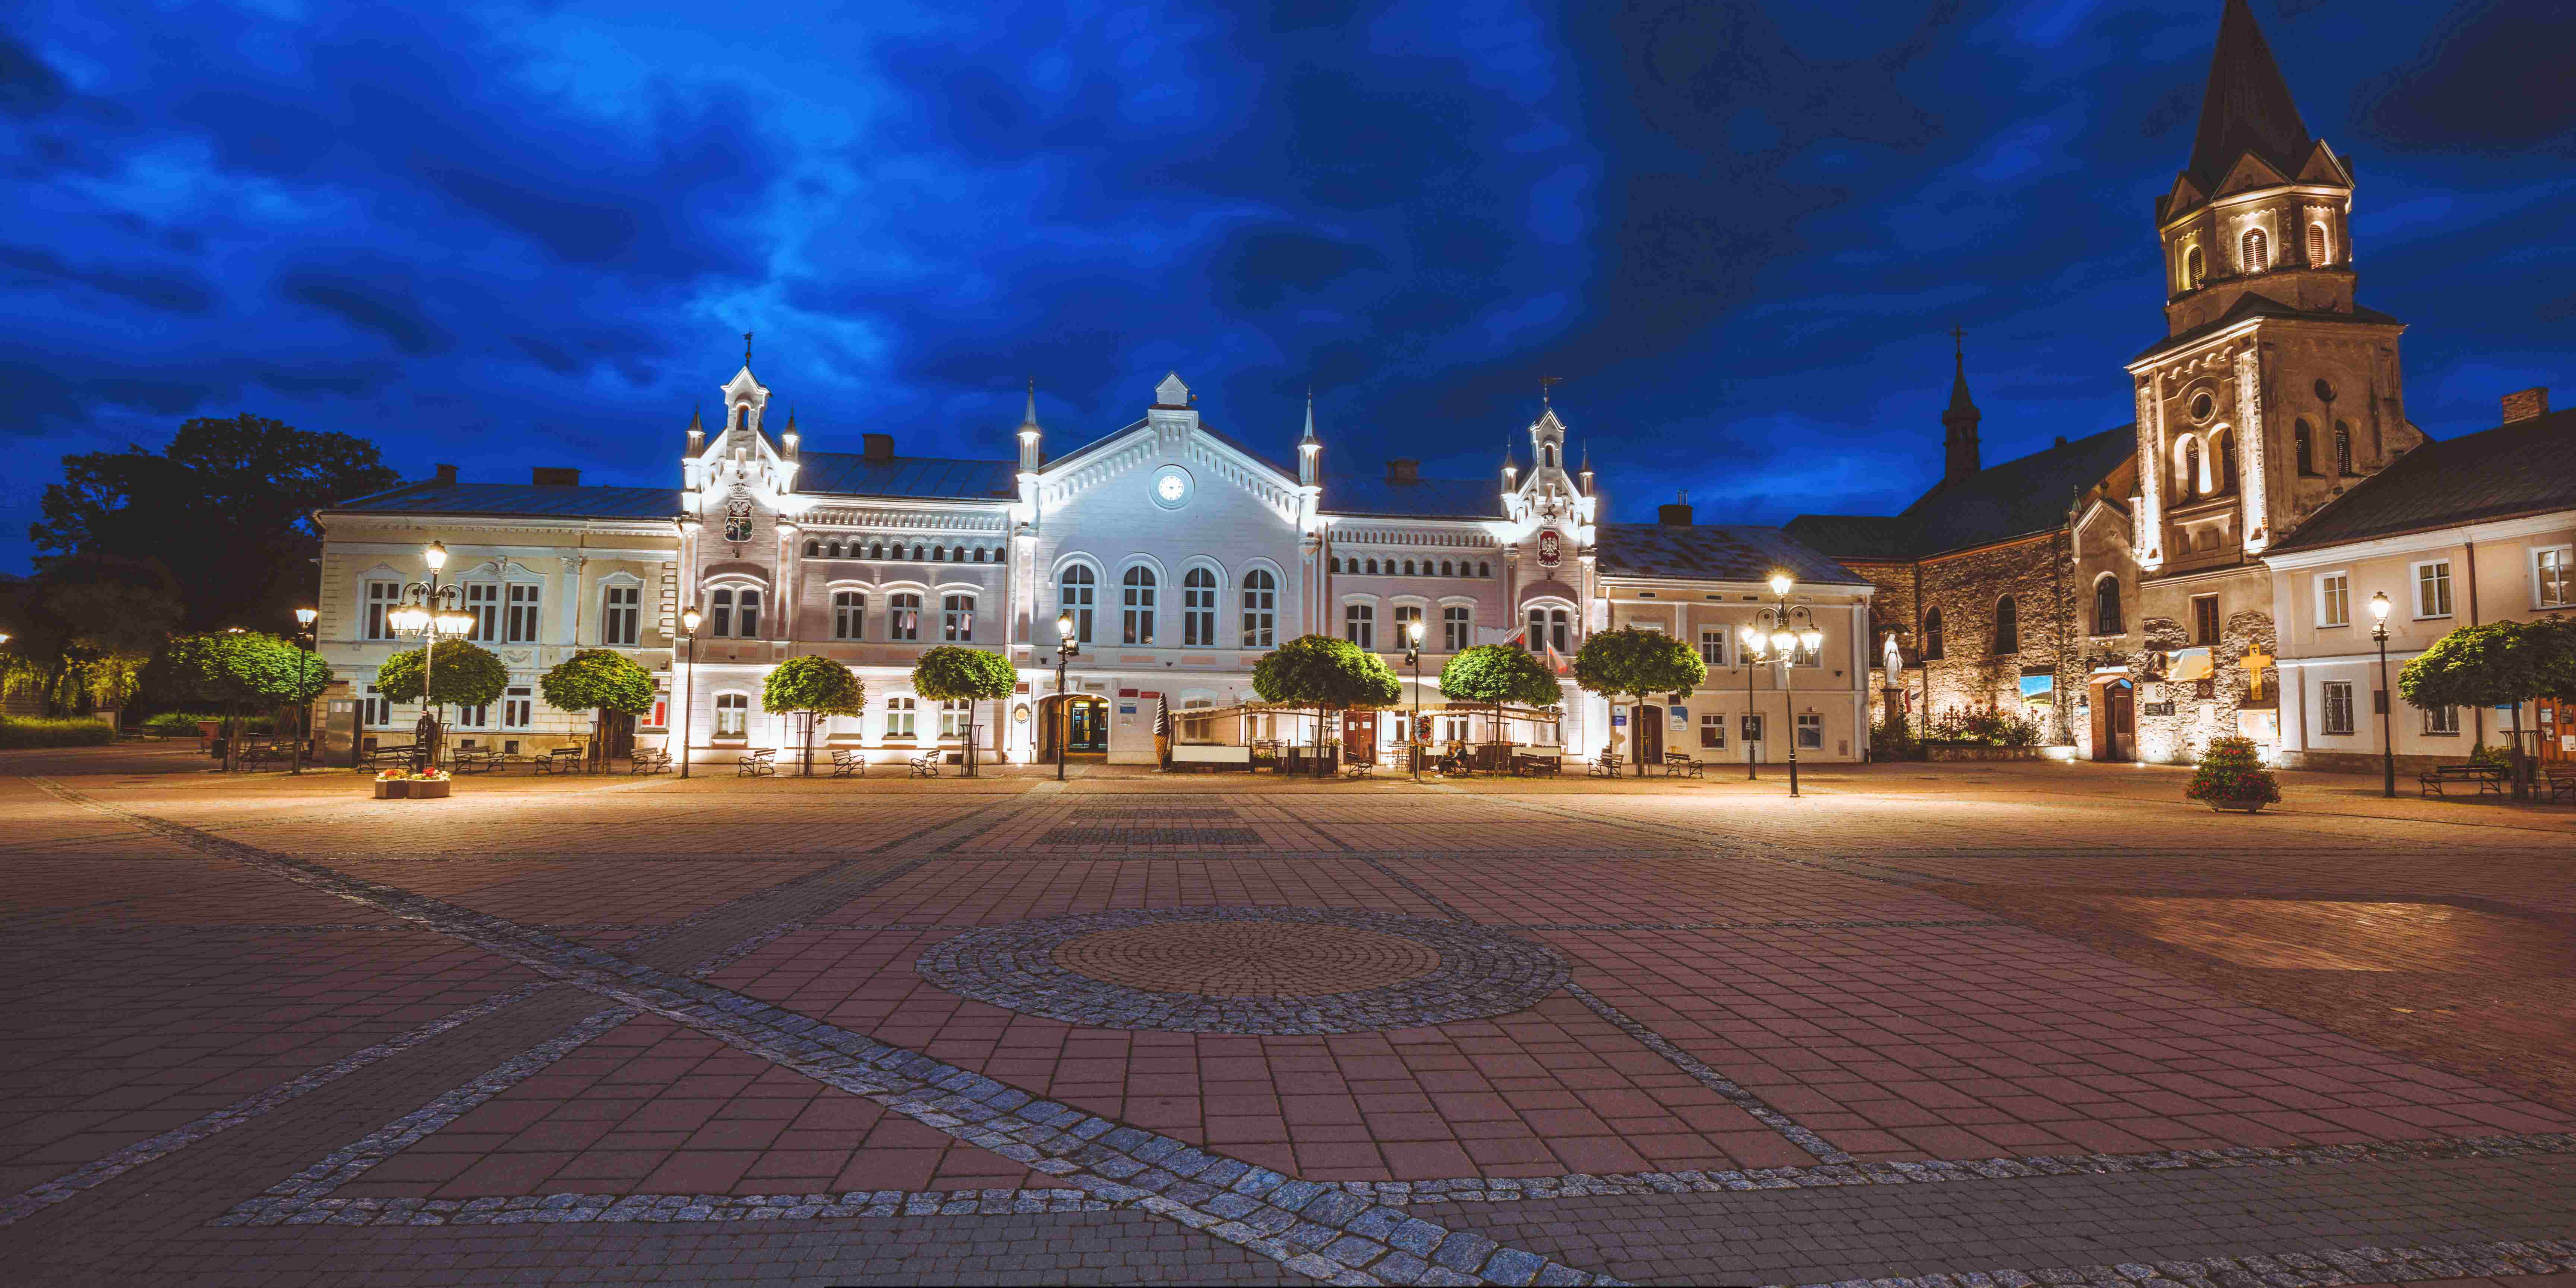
[505,236]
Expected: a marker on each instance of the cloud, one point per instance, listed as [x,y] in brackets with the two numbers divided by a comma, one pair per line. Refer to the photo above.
[384,302]
[169,292]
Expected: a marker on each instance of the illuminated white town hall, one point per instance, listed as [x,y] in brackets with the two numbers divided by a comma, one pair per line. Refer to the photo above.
[1180,553]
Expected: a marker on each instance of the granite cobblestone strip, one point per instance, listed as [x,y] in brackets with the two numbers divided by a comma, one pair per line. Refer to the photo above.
[2372,1265]
[300,1199]
[249,1107]
[1929,924]
[1789,1128]
[577,1208]
[1313,1229]
[1506,1189]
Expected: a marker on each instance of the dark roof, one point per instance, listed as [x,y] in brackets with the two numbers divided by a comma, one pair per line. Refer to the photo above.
[2521,468]
[1376,496]
[912,477]
[1713,552]
[2247,107]
[2014,499]
[2256,304]
[520,499]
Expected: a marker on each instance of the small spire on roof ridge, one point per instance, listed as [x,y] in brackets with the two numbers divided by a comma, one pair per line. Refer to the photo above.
[1030,417]
[1310,417]
[695,424]
[746,350]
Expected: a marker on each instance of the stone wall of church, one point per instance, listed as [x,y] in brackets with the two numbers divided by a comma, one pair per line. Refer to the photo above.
[1968,589]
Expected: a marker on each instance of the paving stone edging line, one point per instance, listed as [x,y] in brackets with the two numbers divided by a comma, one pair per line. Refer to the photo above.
[1314,1229]
[2282,1270]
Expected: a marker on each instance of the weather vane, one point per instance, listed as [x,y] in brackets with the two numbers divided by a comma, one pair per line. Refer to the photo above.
[746,348]
[1543,383]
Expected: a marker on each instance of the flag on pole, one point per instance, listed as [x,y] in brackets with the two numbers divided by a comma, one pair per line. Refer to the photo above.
[1556,661]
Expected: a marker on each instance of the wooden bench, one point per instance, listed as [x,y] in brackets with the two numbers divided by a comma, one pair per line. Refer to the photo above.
[925,765]
[1211,756]
[847,763]
[2487,779]
[477,760]
[2556,780]
[1534,763]
[649,760]
[260,755]
[1359,769]
[562,760]
[1606,765]
[1680,765]
[762,763]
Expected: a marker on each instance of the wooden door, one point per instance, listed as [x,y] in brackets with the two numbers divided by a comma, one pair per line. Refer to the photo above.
[1648,722]
[1359,737]
[2119,722]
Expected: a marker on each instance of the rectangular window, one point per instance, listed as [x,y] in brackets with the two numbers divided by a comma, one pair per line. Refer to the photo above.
[1405,617]
[957,618]
[733,715]
[849,615]
[2204,619]
[621,616]
[518,707]
[746,622]
[2433,589]
[474,717]
[900,713]
[1811,733]
[1753,728]
[1457,626]
[903,617]
[1712,730]
[2442,721]
[483,603]
[1359,624]
[1712,649]
[2334,599]
[381,597]
[2553,578]
[2338,695]
[952,719]
[373,711]
[1453,728]
[520,626]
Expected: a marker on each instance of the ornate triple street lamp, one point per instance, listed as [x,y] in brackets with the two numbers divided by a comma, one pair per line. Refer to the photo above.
[2379,607]
[1413,732]
[1065,651]
[304,619]
[1776,635]
[429,610]
[689,620]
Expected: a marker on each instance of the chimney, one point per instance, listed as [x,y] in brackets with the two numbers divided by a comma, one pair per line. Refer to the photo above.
[446,476]
[2530,404]
[1403,471]
[877,449]
[1674,514]
[554,476]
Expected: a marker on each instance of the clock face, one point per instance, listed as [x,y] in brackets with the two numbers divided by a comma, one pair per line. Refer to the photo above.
[1171,487]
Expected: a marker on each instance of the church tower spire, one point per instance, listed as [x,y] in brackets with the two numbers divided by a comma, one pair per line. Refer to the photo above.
[1961,419]
[1310,449]
[1031,437]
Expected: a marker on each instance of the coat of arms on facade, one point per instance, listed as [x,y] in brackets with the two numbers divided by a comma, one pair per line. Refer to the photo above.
[1551,549]
[738,516]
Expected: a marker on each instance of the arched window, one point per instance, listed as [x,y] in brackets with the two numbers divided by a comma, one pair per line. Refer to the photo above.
[1074,597]
[979,554]
[2106,606]
[916,554]
[2225,445]
[2007,626]
[2343,449]
[1136,610]
[742,416]
[2256,251]
[2317,245]
[1372,567]
[1446,570]
[903,617]
[876,550]
[813,547]
[733,715]
[834,549]
[939,554]
[849,615]
[1484,569]
[1198,608]
[1547,454]
[2195,270]
[1408,567]
[1260,608]
[2303,447]
[720,614]
[1932,634]
[957,555]
[2190,486]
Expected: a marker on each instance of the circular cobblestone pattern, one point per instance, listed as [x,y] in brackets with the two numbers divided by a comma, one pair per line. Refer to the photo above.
[1247,958]
[1246,970]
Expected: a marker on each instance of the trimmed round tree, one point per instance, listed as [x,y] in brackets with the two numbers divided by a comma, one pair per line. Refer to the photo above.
[445,671]
[951,673]
[1634,664]
[236,668]
[2494,665]
[1322,672]
[813,687]
[598,681]
[1495,674]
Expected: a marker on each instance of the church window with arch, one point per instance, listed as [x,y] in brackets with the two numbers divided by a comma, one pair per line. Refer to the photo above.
[2256,250]
[1136,606]
[1484,570]
[1198,608]
[2189,485]
[1075,592]
[1932,635]
[2303,448]
[2195,269]
[813,548]
[2107,618]
[2007,626]
[2343,449]
[2317,245]
[1260,608]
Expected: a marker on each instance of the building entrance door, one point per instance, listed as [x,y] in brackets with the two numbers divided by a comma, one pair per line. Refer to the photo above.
[1359,737]
[2119,722]
[1086,726]
[1648,724]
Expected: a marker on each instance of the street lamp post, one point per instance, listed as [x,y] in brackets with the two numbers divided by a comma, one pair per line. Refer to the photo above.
[689,620]
[1065,651]
[2379,607]
[429,610]
[304,619]
[1776,635]
[1414,742]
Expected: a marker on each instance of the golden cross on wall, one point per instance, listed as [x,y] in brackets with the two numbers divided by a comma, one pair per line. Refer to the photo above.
[2256,663]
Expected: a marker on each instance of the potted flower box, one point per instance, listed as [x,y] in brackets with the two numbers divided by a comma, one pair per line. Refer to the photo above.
[402,784]
[2232,779]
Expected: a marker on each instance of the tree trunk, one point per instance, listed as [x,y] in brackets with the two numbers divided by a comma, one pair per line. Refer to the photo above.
[232,735]
[2521,785]
[809,745]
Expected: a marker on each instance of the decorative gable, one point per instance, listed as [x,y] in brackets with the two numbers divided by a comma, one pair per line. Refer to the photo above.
[2251,171]
[2323,166]
[1172,393]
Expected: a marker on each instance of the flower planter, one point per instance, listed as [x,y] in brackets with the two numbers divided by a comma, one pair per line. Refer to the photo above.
[394,790]
[430,789]
[2252,805]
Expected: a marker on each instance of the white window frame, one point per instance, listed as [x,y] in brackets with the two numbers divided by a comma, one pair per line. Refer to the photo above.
[2334,699]
[1811,732]
[849,614]
[903,717]
[898,628]
[1403,611]
[1712,722]
[1457,628]
[2565,562]
[733,715]
[375,710]
[1260,608]
[1359,622]
[1140,601]
[483,604]
[518,707]
[1712,646]
[1202,589]
[1079,598]
[2334,599]
[621,625]
[957,617]
[380,596]
[2441,722]
[952,718]
[523,613]
[2415,577]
